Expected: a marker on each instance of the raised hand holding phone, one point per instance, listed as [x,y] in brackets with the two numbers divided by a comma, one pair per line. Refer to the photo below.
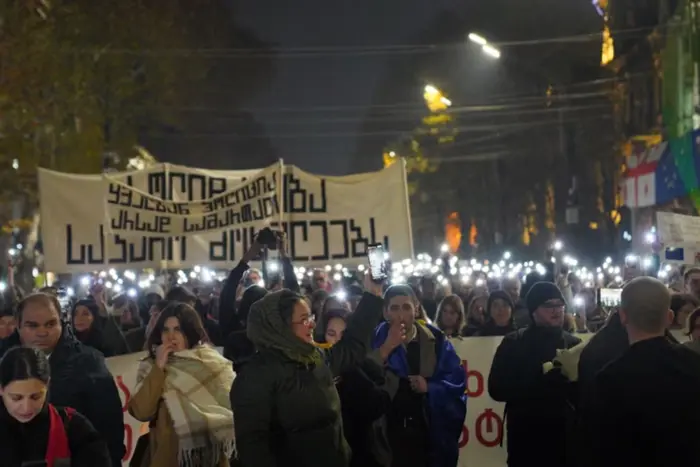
[378,265]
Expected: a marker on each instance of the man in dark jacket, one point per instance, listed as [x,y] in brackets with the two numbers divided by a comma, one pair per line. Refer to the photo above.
[538,412]
[633,421]
[79,377]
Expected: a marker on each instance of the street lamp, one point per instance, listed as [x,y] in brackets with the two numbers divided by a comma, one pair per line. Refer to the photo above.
[431,90]
[491,51]
[477,39]
[487,48]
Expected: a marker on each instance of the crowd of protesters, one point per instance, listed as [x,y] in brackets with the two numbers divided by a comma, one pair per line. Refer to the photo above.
[308,377]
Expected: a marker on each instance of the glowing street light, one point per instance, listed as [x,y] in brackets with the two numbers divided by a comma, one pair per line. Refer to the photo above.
[491,51]
[435,99]
[487,48]
[431,90]
[477,39]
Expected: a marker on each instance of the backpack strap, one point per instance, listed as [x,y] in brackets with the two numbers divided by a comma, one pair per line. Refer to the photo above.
[58,446]
[66,414]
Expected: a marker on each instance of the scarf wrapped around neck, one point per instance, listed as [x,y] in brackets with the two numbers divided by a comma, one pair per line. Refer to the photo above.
[196,393]
[267,328]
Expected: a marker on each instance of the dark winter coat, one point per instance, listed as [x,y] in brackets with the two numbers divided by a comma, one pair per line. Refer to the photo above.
[362,402]
[233,317]
[634,420]
[27,442]
[539,414]
[288,413]
[80,380]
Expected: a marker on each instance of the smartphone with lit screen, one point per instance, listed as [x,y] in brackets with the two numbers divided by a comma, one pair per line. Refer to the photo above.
[377,257]
[610,298]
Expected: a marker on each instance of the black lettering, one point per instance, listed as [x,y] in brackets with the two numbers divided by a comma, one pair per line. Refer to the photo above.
[343,224]
[148,249]
[324,240]
[157,185]
[294,195]
[321,207]
[135,222]
[226,249]
[292,235]
[87,253]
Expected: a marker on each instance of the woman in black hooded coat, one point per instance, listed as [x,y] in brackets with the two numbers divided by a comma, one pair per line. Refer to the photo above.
[237,347]
[97,331]
[362,401]
[499,315]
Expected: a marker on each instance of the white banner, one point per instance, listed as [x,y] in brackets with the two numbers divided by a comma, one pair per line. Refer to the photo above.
[132,212]
[92,222]
[480,440]
[675,230]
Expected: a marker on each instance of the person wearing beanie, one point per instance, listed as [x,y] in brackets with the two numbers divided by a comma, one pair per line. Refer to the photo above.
[236,285]
[499,315]
[237,347]
[285,400]
[537,402]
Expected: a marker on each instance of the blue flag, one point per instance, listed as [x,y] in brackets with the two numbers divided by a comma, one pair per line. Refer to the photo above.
[669,184]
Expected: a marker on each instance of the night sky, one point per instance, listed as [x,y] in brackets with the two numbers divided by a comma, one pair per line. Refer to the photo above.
[303,84]
[306,83]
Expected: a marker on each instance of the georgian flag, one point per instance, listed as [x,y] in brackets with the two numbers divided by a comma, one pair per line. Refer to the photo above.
[640,180]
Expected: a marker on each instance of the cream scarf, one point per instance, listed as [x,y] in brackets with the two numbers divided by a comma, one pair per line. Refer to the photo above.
[196,393]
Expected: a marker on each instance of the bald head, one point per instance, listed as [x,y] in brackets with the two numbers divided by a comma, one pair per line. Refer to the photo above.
[646,304]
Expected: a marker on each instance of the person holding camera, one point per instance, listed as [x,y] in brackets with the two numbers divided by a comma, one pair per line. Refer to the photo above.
[233,313]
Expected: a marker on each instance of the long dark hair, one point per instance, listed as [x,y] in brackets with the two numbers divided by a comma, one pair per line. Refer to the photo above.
[457,305]
[23,363]
[190,324]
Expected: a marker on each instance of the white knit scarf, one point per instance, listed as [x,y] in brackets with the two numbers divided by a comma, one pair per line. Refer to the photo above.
[196,393]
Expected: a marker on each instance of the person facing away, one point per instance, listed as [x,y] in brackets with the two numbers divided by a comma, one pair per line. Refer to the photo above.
[182,391]
[362,398]
[285,401]
[426,382]
[31,429]
[537,404]
[633,418]
[79,376]
[450,316]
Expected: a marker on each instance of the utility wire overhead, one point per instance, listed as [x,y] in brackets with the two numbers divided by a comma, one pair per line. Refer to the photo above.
[460,129]
[502,99]
[331,51]
[480,112]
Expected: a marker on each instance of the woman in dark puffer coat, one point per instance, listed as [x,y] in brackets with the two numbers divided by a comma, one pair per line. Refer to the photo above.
[285,400]
[362,400]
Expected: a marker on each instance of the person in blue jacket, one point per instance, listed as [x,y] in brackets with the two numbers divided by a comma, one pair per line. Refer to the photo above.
[426,382]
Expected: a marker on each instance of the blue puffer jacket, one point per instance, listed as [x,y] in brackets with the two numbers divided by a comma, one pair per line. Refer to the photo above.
[80,379]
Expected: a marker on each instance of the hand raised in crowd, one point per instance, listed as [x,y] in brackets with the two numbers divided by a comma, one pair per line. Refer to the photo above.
[397,336]
[372,287]
[163,351]
[418,384]
[252,252]
[282,244]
